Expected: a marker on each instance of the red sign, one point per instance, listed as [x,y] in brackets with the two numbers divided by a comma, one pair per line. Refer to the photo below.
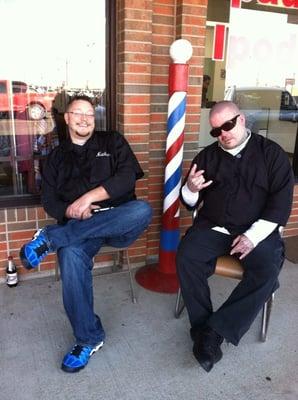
[236,3]
[219,42]
[273,3]
[280,3]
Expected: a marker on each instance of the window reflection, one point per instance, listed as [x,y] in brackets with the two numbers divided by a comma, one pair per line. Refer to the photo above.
[258,72]
[35,86]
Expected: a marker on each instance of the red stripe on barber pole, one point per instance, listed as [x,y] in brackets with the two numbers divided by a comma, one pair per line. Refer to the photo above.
[236,3]
[219,42]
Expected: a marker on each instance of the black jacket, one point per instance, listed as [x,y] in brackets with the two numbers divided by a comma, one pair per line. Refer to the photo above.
[256,183]
[70,170]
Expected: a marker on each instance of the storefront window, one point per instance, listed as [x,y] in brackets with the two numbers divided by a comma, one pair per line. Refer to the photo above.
[259,68]
[52,51]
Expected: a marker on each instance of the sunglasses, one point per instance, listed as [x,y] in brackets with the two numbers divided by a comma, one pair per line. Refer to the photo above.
[226,126]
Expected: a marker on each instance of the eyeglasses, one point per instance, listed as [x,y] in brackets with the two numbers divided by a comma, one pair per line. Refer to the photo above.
[226,126]
[80,115]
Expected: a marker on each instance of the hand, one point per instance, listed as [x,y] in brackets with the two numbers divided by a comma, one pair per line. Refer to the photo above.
[196,181]
[80,208]
[241,245]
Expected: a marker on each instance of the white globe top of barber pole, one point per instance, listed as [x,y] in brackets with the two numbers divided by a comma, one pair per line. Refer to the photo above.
[181,51]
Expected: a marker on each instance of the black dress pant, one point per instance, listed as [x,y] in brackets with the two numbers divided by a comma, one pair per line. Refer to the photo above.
[196,260]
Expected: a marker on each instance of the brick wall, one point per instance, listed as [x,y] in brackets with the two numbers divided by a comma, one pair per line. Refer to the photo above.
[17,227]
[134,52]
[146,31]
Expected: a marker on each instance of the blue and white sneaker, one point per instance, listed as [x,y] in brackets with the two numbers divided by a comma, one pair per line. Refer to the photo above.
[34,252]
[78,357]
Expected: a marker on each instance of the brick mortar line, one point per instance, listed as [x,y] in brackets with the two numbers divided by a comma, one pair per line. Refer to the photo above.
[135,52]
[136,20]
[142,73]
[138,41]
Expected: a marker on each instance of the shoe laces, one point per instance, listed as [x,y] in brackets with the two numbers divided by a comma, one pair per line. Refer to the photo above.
[42,247]
[42,250]
[78,349]
[36,234]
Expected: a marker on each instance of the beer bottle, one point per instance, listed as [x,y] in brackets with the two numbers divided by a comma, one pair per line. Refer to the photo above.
[11,273]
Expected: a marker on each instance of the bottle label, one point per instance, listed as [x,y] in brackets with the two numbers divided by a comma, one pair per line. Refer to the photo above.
[12,279]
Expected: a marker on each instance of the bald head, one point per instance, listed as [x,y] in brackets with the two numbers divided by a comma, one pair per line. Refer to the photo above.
[235,133]
[223,107]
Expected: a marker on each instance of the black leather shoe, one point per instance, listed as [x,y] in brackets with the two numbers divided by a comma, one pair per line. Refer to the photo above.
[194,333]
[206,348]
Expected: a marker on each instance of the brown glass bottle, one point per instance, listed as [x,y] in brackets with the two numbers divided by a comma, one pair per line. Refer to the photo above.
[11,273]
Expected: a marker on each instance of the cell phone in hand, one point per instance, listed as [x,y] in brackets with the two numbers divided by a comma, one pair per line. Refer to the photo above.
[100,209]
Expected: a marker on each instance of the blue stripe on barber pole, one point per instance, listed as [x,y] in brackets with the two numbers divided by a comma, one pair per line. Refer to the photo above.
[172,181]
[169,240]
[177,113]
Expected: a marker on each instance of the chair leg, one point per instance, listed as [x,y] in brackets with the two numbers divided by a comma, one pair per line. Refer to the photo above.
[57,277]
[116,261]
[179,306]
[266,317]
[133,297]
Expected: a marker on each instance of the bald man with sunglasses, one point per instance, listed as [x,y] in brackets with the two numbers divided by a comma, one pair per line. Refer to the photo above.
[242,186]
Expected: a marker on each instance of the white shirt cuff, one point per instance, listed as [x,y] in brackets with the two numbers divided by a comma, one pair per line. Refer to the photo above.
[189,197]
[259,231]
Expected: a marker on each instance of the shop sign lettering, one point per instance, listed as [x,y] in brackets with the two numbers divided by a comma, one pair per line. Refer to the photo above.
[265,49]
[280,3]
[277,3]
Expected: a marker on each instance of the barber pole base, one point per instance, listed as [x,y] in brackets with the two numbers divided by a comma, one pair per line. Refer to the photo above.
[162,280]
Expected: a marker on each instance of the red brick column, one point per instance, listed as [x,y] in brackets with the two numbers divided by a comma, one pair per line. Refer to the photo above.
[134,64]
[145,32]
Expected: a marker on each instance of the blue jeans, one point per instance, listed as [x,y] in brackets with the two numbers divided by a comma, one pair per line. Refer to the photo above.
[76,243]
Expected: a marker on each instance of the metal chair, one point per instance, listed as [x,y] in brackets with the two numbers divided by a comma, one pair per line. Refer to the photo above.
[119,255]
[230,267]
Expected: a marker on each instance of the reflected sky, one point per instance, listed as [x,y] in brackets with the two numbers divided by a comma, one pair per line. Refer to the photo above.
[262,50]
[53,42]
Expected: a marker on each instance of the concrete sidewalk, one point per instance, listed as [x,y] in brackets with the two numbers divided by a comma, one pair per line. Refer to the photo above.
[148,353]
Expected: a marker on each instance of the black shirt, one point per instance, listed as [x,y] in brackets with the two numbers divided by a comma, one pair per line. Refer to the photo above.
[70,171]
[256,183]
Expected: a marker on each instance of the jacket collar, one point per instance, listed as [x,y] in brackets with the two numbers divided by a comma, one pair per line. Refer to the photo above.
[92,143]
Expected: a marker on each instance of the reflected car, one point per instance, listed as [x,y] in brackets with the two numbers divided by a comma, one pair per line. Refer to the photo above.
[270,111]
[17,97]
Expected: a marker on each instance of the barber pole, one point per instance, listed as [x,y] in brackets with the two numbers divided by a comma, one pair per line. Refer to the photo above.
[162,277]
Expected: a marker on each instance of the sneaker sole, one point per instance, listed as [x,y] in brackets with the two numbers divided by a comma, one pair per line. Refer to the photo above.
[65,368]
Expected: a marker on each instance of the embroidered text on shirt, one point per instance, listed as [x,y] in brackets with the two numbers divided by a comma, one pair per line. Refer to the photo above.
[103,154]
